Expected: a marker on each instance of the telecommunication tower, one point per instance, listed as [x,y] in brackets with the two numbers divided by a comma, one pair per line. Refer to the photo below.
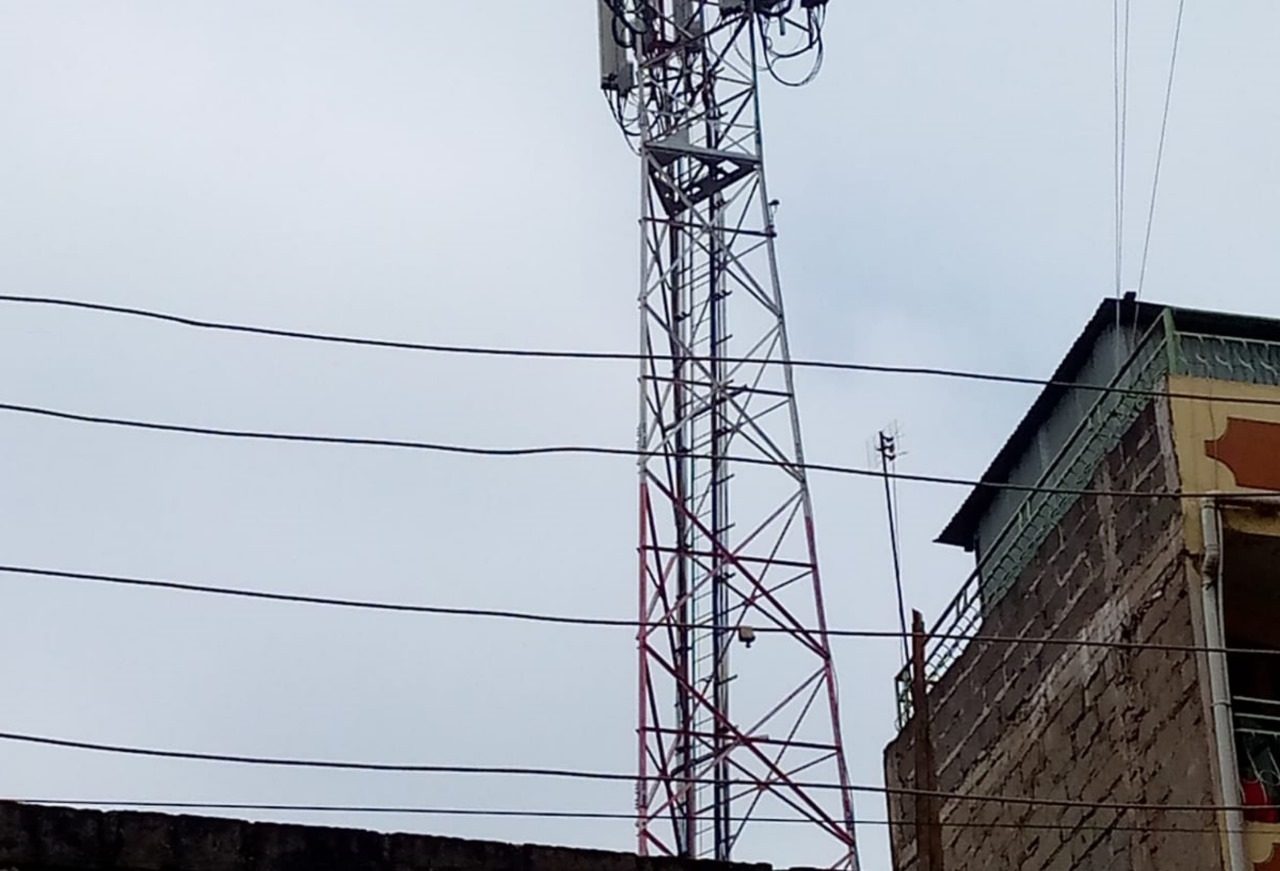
[731,606]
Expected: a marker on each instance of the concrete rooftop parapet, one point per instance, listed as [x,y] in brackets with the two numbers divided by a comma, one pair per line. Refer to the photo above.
[42,838]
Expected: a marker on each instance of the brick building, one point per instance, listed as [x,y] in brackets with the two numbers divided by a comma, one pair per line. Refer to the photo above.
[38,838]
[1092,725]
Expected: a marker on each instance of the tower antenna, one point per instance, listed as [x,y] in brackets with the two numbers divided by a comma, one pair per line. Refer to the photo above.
[725,548]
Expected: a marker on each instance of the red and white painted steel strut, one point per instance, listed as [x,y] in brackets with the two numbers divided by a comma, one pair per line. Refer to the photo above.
[725,547]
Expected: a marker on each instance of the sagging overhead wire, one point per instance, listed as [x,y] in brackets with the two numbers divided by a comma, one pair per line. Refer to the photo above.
[1164,131]
[537,814]
[1122,25]
[614,356]
[599,776]
[584,450]
[1121,18]
[597,622]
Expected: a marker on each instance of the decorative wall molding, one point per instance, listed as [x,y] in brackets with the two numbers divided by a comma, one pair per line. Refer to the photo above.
[1251,450]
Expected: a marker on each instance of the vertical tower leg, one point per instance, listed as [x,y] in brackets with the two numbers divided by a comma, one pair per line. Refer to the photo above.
[731,599]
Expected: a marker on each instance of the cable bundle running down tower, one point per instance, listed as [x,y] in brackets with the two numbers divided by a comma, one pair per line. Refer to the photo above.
[682,78]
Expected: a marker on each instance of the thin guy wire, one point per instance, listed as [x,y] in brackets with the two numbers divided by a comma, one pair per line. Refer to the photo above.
[499,813]
[1124,128]
[605,622]
[607,776]
[1117,184]
[1124,124]
[1164,129]
[590,450]
[615,356]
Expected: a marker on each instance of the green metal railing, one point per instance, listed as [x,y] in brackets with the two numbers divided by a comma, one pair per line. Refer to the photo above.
[1257,725]
[1227,359]
[1161,352]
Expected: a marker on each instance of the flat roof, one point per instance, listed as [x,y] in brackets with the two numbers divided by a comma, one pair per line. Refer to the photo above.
[962,529]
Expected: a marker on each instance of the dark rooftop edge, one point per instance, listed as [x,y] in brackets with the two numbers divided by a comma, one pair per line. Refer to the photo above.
[962,528]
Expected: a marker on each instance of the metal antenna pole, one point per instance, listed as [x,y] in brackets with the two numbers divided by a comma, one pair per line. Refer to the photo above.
[887,448]
[724,547]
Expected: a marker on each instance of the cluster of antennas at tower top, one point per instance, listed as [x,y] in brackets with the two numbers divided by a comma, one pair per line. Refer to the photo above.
[634,31]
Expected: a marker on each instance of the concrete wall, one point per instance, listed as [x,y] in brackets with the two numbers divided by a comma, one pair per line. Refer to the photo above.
[1077,723]
[61,839]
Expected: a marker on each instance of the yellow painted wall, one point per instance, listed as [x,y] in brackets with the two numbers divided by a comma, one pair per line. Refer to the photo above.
[1200,414]
[1196,419]
[1261,841]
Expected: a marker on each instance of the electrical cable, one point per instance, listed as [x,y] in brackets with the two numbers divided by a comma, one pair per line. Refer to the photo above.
[618,110]
[500,813]
[600,776]
[1117,172]
[1124,121]
[587,450]
[814,44]
[612,356]
[623,23]
[1164,129]
[599,622]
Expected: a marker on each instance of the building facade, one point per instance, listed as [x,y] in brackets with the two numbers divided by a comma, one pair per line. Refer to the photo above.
[1160,529]
[42,838]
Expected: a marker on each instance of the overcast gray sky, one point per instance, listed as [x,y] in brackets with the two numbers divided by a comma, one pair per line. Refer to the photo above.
[448,172]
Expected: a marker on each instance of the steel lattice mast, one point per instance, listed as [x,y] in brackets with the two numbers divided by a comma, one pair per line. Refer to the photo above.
[726,521]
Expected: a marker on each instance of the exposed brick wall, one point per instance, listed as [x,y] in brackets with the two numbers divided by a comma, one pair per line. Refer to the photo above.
[1076,723]
[61,839]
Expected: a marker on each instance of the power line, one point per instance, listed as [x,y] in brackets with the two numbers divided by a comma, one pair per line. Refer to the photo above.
[283,762]
[616,356]
[357,809]
[436,610]
[1164,129]
[503,813]
[590,450]
[605,776]
[1120,68]
[599,622]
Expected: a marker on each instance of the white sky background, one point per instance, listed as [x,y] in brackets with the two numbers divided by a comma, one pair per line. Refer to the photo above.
[448,172]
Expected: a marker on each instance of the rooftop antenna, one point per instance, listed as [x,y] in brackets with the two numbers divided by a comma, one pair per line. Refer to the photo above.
[886,449]
[726,547]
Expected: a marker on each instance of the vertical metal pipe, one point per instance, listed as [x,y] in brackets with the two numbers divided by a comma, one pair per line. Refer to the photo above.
[686,649]
[1219,689]
[642,681]
[887,448]
[721,434]
[709,259]
[928,823]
